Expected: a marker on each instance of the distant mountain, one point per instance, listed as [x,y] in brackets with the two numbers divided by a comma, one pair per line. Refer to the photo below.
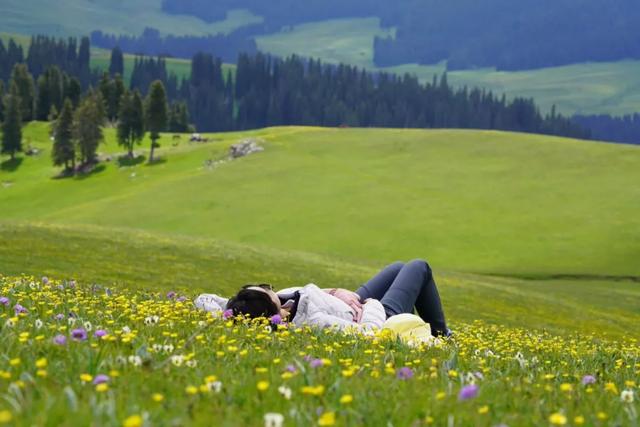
[505,34]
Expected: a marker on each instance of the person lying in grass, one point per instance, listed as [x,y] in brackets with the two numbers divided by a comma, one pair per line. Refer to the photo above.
[398,288]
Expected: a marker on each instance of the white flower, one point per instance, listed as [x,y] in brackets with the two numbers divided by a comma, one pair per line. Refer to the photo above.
[273,419]
[202,323]
[168,348]
[470,378]
[215,386]
[126,329]
[627,396]
[88,326]
[177,360]
[192,363]
[285,392]
[135,360]
[120,360]
[157,348]
[71,321]
[38,323]
[9,323]
[151,320]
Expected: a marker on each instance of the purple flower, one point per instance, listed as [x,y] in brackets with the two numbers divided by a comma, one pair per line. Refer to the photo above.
[404,373]
[316,363]
[79,334]
[308,358]
[181,299]
[59,340]
[276,319]
[171,295]
[72,284]
[588,379]
[4,301]
[99,333]
[101,378]
[45,280]
[19,309]
[479,375]
[59,316]
[291,368]
[227,314]
[468,392]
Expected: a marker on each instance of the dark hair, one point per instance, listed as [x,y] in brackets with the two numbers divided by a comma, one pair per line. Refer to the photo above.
[252,303]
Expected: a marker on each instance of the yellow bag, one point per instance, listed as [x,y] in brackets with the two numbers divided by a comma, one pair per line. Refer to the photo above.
[410,328]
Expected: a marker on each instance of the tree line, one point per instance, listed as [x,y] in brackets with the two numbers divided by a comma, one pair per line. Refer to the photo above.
[225,46]
[625,129]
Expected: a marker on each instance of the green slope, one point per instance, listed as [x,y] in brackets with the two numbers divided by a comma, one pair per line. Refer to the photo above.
[481,202]
[122,257]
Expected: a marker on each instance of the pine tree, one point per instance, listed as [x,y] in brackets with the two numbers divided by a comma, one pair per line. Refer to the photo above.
[115,93]
[116,65]
[63,152]
[131,124]
[24,89]
[87,127]
[1,100]
[156,113]
[12,125]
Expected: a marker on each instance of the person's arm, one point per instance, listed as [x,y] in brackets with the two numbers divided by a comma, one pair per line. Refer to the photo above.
[350,298]
[373,314]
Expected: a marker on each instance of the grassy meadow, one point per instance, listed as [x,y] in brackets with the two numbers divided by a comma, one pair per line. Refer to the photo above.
[533,239]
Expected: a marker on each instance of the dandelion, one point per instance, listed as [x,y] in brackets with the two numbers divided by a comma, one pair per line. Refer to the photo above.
[313,390]
[133,421]
[327,419]
[627,396]
[578,420]
[468,392]
[157,397]
[273,419]
[346,399]
[557,419]
[262,385]
[566,387]
[611,387]
[59,340]
[191,390]
[85,378]
[79,334]
[483,409]
[588,379]
[5,417]
[41,363]
[101,388]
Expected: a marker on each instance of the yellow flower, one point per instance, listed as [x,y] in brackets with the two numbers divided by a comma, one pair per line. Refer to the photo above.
[578,420]
[483,409]
[566,387]
[14,362]
[263,385]
[428,420]
[313,390]
[346,399]
[133,421]
[441,395]
[191,390]
[611,387]
[41,363]
[42,373]
[157,397]
[601,415]
[5,417]
[557,419]
[327,419]
[85,378]
[261,370]
[102,387]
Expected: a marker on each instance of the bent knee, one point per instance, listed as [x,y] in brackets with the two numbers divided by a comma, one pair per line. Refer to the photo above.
[420,263]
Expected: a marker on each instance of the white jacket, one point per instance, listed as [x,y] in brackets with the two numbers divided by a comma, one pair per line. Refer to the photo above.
[315,308]
[318,308]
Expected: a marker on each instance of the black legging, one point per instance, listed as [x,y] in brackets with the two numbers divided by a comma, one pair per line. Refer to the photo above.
[401,287]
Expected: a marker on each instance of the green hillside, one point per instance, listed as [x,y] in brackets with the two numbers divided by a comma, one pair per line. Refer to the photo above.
[487,209]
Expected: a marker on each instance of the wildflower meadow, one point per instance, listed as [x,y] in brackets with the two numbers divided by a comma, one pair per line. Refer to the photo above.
[75,354]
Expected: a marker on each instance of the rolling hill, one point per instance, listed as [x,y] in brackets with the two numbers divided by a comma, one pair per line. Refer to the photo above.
[509,221]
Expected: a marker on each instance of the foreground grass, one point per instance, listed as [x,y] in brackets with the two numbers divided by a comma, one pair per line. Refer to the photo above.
[80,355]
